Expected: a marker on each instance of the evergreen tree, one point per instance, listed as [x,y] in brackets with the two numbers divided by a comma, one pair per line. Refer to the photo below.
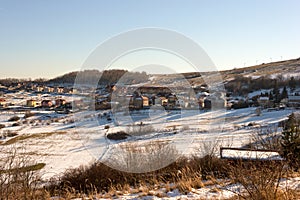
[276,92]
[284,93]
[291,141]
[292,83]
[271,96]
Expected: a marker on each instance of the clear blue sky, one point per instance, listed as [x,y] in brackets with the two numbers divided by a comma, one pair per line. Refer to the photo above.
[49,38]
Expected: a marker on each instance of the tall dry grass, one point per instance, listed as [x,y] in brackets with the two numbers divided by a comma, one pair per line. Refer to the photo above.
[19,176]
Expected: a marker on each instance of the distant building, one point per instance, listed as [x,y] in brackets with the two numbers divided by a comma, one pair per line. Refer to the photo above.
[46,103]
[49,89]
[294,101]
[60,102]
[71,90]
[39,89]
[172,99]
[201,102]
[215,101]
[137,102]
[31,103]
[181,103]
[161,101]
[59,90]
[145,101]
[3,102]
[207,104]
[264,101]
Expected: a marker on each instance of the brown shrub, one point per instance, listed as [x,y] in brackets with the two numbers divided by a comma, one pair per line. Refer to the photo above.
[120,135]
[260,179]
[14,118]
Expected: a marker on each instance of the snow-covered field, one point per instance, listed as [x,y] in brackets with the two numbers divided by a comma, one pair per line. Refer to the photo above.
[64,141]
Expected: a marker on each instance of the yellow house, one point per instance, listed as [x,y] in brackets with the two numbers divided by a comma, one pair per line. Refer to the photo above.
[2,102]
[145,101]
[31,103]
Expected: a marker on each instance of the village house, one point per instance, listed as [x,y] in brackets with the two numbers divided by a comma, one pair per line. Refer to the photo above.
[163,101]
[172,99]
[70,90]
[46,103]
[201,98]
[201,88]
[145,101]
[31,103]
[201,102]
[60,102]
[215,101]
[137,102]
[181,103]
[49,89]
[78,104]
[231,102]
[294,101]
[264,102]
[219,103]
[110,88]
[59,90]
[39,88]
[3,102]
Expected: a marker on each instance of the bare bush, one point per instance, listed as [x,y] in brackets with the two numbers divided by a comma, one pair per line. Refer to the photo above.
[16,124]
[120,135]
[14,118]
[9,133]
[106,127]
[139,130]
[266,138]
[260,180]
[142,157]
[19,176]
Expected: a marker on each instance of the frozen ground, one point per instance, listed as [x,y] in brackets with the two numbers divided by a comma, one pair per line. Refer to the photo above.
[68,141]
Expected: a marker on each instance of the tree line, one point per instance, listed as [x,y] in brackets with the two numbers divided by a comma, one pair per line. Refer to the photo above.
[243,85]
[86,76]
[102,77]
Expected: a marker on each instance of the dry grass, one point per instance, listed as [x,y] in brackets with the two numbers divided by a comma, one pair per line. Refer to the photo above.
[20,138]
[19,177]
[260,180]
[23,169]
[184,174]
[140,129]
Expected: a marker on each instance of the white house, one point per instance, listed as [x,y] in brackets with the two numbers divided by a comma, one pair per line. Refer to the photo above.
[294,101]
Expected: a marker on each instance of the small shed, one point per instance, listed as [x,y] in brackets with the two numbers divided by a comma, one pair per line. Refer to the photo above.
[245,154]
